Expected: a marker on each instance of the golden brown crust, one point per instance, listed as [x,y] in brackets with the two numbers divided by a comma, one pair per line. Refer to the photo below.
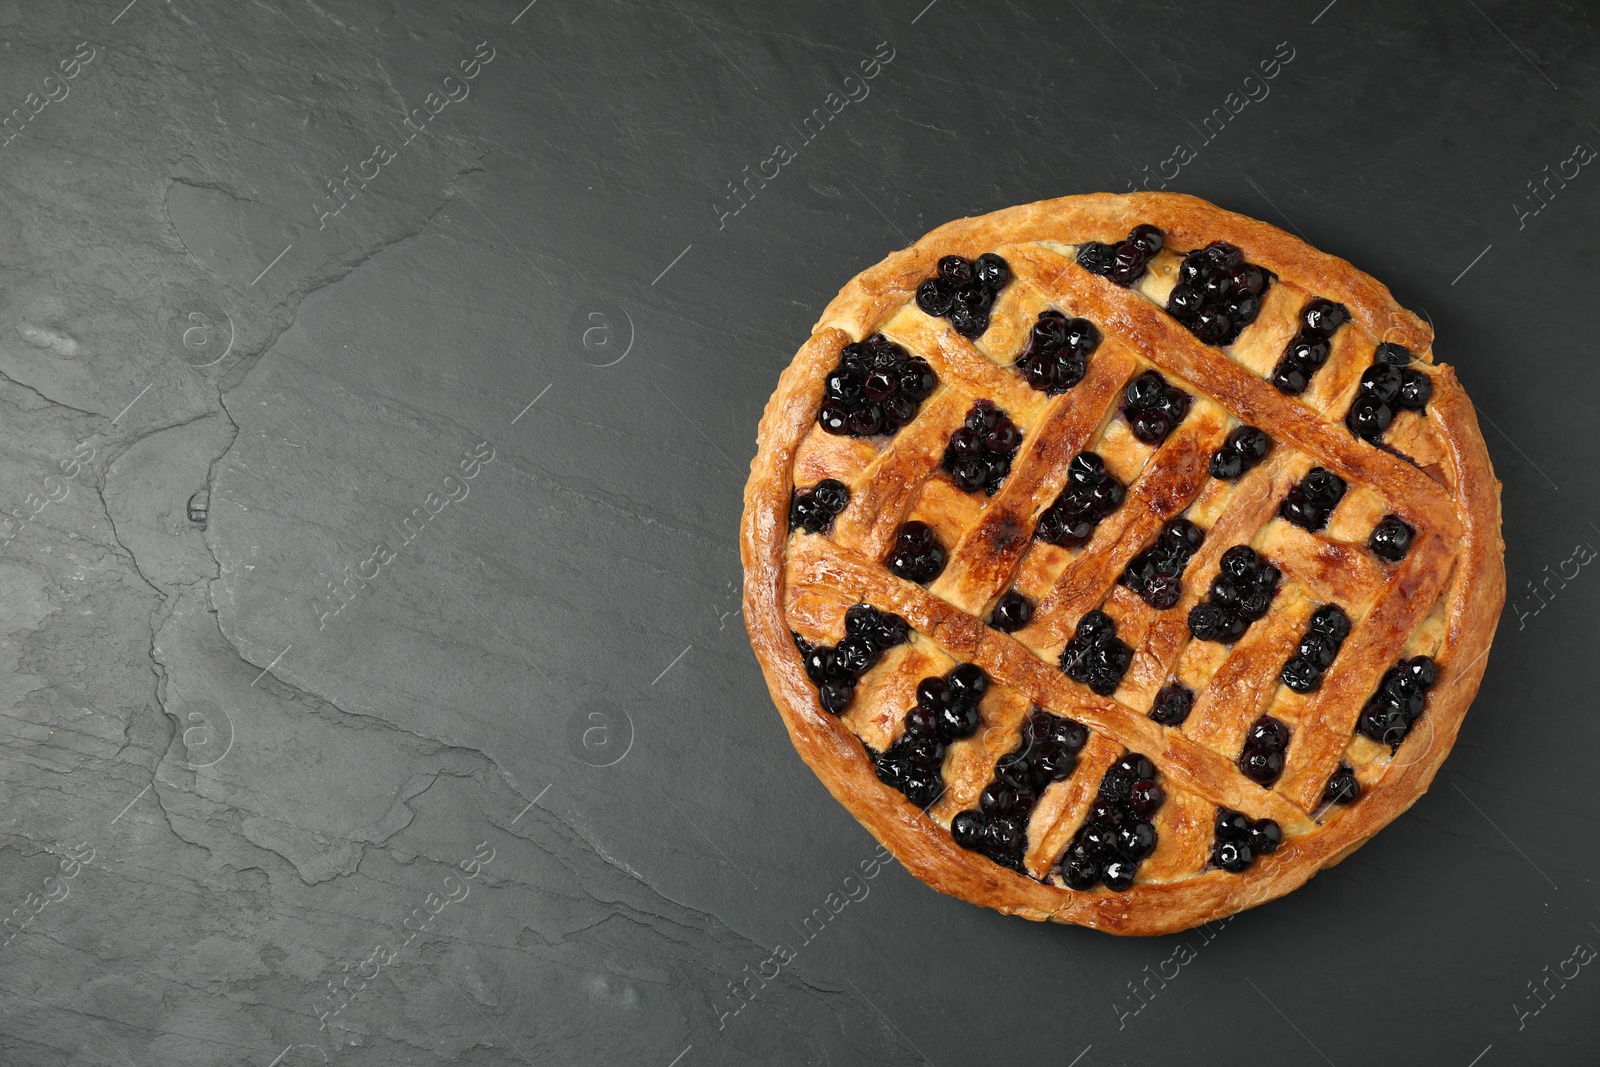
[1444,599]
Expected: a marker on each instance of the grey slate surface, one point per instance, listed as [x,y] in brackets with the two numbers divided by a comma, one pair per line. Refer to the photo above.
[247,828]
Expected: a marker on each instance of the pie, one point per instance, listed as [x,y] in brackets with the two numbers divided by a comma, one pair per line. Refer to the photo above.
[1120,560]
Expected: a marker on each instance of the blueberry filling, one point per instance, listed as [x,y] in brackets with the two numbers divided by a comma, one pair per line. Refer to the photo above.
[834,671]
[1240,594]
[1308,350]
[1095,657]
[1171,705]
[1123,263]
[1309,504]
[979,453]
[1047,752]
[1391,539]
[946,711]
[1245,447]
[813,511]
[1325,633]
[1011,612]
[1056,356]
[1218,294]
[1342,787]
[1389,386]
[1262,758]
[1398,703]
[1090,495]
[1156,574]
[877,387]
[963,291]
[1152,407]
[917,555]
[1117,832]
[1239,840]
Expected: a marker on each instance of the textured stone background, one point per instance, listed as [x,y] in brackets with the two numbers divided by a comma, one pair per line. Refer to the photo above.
[227,807]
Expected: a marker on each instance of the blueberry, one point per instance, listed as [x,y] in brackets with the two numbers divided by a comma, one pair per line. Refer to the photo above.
[1226,464]
[1242,308]
[1136,765]
[1268,733]
[1144,797]
[925,751]
[1147,238]
[1254,604]
[1079,870]
[1182,534]
[1323,316]
[1136,840]
[1393,355]
[967,829]
[1233,856]
[1290,377]
[957,721]
[954,271]
[1116,785]
[1424,671]
[834,697]
[1206,621]
[969,323]
[934,693]
[1323,486]
[1150,426]
[1240,563]
[1070,734]
[1195,269]
[1086,468]
[1383,722]
[1265,837]
[1301,675]
[855,655]
[1380,382]
[992,271]
[1369,417]
[1342,787]
[1082,336]
[934,297]
[1211,324]
[1318,649]
[967,683]
[922,721]
[1164,592]
[1003,834]
[1415,389]
[834,418]
[1172,704]
[1225,591]
[917,380]
[1144,391]
[1184,301]
[815,661]
[1261,766]
[865,420]
[1014,769]
[1224,255]
[1056,761]
[1233,626]
[1118,874]
[1096,628]
[1330,619]
[1308,350]
[1105,812]
[997,798]
[1248,278]
[1095,257]
[1011,612]
[1231,825]
[831,494]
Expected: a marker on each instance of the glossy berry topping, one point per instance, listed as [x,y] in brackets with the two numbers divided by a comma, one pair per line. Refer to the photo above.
[964,291]
[980,452]
[1047,752]
[1321,317]
[1240,594]
[1309,504]
[1318,647]
[917,555]
[1391,539]
[813,511]
[1391,385]
[834,671]
[877,387]
[1399,701]
[1090,495]
[1243,449]
[1056,355]
[1239,840]
[1152,407]
[1117,832]
[1262,758]
[1218,294]
[1156,574]
[1171,705]
[946,711]
[1095,657]
[1011,612]
[1392,354]
[1123,263]
[1342,787]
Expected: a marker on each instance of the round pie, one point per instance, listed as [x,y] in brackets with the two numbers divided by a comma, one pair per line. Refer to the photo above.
[1120,560]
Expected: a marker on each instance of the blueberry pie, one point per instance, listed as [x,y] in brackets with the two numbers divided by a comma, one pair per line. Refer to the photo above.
[1120,560]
